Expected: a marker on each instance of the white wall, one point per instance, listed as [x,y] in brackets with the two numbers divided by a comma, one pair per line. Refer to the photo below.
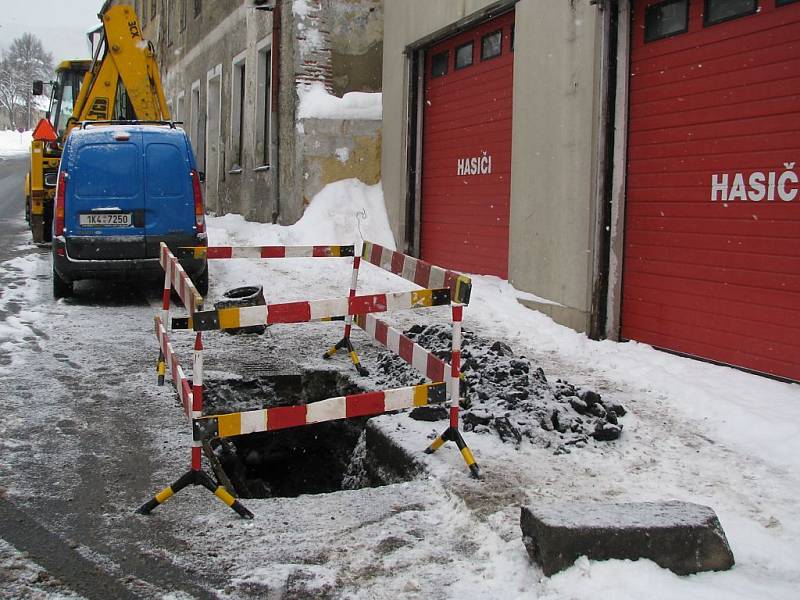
[558,100]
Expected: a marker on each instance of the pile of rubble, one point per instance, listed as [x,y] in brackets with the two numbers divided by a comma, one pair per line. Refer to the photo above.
[506,395]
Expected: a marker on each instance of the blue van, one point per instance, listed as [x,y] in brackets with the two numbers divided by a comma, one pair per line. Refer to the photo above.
[122,190]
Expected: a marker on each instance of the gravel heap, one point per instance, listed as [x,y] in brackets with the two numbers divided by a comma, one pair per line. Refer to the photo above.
[508,396]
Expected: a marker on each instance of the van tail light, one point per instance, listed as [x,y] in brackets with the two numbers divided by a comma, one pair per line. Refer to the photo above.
[199,209]
[58,213]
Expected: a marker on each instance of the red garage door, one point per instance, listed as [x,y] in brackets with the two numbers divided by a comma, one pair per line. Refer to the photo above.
[466,154]
[712,234]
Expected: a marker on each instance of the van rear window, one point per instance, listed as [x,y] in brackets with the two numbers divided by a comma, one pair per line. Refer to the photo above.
[106,171]
[167,171]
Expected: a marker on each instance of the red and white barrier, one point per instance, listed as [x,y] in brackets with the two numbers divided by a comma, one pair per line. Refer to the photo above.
[441,287]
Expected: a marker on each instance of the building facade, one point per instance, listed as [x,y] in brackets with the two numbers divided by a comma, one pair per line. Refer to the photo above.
[231,71]
[629,164]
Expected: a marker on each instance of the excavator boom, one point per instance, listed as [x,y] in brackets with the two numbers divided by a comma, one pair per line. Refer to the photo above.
[128,67]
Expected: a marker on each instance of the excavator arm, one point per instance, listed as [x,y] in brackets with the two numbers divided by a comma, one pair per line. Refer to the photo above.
[127,66]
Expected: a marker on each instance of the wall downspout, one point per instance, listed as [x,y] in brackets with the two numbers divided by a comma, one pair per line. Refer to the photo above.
[622,9]
[277,15]
[599,311]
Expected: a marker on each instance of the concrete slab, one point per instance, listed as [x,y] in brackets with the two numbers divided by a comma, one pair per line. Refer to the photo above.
[683,537]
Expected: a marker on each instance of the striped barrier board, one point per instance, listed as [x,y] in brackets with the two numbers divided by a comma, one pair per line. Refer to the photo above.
[315,310]
[403,346]
[332,409]
[418,271]
[178,376]
[221,252]
[178,279]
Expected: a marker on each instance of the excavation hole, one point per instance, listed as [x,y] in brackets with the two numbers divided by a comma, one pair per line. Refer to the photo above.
[314,459]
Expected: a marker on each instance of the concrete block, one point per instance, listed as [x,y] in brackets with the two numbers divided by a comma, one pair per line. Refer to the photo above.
[683,537]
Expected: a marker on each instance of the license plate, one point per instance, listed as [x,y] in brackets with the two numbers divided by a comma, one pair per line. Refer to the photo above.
[106,220]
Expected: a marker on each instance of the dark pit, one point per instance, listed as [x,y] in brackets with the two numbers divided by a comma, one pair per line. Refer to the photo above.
[315,459]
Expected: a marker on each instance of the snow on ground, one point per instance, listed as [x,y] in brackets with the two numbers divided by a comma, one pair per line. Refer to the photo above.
[14,143]
[316,102]
[695,432]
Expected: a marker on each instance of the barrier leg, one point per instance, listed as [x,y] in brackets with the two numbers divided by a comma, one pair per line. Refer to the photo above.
[161,367]
[195,475]
[200,478]
[221,493]
[452,434]
[345,343]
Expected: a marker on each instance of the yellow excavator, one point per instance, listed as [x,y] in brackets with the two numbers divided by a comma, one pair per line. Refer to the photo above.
[120,82]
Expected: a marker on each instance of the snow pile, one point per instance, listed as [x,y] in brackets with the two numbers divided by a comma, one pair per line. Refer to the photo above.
[334,216]
[317,103]
[13,143]
[509,396]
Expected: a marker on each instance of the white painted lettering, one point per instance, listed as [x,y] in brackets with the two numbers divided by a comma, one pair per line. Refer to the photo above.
[787,176]
[771,187]
[475,165]
[757,189]
[719,184]
[737,191]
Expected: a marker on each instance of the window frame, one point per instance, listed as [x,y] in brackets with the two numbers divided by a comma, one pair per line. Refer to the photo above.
[500,47]
[446,54]
[647,39]
[471,44]
[263,105]
[709,23]
[180,107]
[238,102]
[182,15]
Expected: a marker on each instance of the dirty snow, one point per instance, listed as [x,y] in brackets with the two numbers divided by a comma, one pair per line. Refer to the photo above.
[316,102]
[15,143]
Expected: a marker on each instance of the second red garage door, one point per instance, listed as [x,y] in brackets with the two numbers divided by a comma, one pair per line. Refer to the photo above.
[712,234]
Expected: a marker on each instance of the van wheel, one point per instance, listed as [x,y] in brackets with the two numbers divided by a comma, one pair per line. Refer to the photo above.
[201,281]
[61,288]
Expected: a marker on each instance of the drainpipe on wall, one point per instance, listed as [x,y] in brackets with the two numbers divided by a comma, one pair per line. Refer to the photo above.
[599,309]
[277,15]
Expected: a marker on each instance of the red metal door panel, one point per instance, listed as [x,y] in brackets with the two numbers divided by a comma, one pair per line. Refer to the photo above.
[712,227]
[467,115]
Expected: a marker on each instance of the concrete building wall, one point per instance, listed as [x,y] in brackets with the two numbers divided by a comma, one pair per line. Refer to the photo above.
[557,139]
[331,149]
[338,42]
[554,199]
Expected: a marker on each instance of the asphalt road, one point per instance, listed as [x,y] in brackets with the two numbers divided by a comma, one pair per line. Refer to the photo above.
[68,448]
[12,201]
